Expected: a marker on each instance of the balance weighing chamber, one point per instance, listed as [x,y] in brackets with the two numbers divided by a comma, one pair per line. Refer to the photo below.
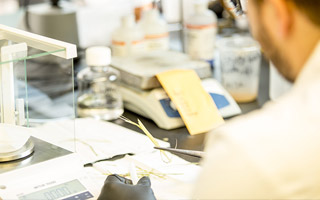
[31,168]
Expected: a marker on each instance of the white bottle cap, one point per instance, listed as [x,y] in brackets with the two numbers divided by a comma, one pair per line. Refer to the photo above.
[98,56]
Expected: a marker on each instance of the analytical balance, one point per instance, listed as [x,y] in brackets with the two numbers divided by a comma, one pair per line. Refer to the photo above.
[31,168]
[143,94]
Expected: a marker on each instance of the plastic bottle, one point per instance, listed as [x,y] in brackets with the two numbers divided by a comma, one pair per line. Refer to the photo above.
[200,32]
[155,29]
[171,10]
[128,39]
[140,6]
[99,96]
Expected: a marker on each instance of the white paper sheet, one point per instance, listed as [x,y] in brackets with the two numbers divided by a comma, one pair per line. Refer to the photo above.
[98,140]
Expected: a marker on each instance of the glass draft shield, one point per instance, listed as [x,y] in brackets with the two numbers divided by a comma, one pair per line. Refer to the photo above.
[36,85]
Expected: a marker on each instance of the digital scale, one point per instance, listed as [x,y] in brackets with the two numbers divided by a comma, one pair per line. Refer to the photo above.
[30,168]
[51,172]
[156,104]
[139,70]
[143,94]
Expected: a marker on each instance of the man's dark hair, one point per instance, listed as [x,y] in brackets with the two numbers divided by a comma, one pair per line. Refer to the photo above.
[311,8]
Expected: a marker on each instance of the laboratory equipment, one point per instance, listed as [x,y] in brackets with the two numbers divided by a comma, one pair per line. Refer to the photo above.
[15,100]
[127,39]
[200,32]
[142,92]
[56,20]
[50,173]
[157,106]
[31,168]
[155,29]
[139,70]
[99,96]
[239,61]
[198,154]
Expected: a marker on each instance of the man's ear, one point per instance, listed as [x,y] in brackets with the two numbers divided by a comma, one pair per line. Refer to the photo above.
[283,13]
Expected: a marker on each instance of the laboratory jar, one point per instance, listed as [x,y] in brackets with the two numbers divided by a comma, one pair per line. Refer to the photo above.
[239,60]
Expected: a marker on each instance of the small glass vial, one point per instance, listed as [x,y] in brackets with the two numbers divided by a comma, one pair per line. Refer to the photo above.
[99,96]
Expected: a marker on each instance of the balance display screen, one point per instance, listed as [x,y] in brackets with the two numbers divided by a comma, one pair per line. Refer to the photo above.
[56,192]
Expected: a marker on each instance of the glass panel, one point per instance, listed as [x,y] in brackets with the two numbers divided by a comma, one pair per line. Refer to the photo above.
[35,86]
[32,53]
[45,83]
[50,88]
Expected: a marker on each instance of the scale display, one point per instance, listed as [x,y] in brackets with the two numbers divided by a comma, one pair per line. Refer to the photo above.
[60,191]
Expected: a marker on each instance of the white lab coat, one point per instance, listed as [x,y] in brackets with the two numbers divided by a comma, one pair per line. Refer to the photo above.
[272,153]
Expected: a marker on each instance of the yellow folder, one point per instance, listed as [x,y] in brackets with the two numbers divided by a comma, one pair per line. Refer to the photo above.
[195,105]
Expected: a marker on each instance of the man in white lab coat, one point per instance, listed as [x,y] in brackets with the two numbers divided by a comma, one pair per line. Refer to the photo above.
[272,153]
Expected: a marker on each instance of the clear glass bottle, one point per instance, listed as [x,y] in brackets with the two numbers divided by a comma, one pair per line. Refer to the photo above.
[99,96]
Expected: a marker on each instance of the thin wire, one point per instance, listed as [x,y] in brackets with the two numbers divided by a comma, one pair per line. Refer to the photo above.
[153,140]
[83,142]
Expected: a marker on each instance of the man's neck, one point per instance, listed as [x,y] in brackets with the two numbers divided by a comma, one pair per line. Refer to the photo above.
[302,43]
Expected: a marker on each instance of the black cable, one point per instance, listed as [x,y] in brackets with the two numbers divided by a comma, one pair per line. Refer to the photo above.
[113,158]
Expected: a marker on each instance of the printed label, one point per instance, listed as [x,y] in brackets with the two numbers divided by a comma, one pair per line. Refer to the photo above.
[157,42]
[120,48]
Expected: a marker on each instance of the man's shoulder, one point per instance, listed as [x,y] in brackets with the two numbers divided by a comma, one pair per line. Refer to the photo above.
[296,110]
[278,135]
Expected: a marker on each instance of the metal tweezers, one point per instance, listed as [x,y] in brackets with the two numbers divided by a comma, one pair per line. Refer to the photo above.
[199,154]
